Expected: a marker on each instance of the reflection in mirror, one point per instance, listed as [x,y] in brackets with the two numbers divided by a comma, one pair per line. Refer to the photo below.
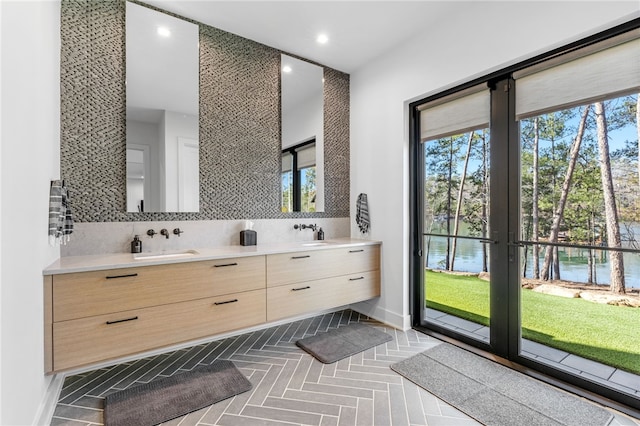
[302,136]
[162,112]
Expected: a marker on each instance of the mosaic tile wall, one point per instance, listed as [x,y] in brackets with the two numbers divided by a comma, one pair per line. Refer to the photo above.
[239,123]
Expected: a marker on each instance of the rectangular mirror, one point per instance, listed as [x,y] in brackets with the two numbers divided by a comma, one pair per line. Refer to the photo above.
[162,80]
[302,97]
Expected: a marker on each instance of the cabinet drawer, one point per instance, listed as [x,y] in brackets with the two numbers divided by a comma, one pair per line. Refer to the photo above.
[303,266]
[88,340]
[295,299]
[86,294]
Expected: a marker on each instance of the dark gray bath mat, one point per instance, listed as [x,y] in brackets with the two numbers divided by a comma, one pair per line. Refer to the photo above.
[343,342]
[165,399]
[494,394]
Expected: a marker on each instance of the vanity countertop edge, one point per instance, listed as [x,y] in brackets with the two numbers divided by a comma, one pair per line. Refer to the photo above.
[98,262]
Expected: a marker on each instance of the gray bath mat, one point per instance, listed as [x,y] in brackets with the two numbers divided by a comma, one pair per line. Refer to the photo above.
[494,394]
[343,342]
[165,399]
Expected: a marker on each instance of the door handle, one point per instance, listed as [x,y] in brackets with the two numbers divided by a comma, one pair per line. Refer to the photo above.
[122,320]
[225,302]
[226,264]
[111,277]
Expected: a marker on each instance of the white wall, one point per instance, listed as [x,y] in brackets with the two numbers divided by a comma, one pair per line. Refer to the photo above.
[176,125]
[29,159]
[483,36]
[141,133]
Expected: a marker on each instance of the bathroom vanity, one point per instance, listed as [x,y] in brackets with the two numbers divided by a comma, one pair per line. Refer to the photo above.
[109,306]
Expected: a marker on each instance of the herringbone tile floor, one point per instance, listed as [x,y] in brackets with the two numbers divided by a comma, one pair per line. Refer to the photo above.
[290,387]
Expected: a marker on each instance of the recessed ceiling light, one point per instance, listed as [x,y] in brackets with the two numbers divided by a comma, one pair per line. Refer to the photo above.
[322,38]
[164,32]
[286,68]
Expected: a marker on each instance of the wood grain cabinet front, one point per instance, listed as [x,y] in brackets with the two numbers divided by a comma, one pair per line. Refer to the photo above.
[303,266]
[310,281]
[118,290]
[88,340]
[295,299]
[96,316]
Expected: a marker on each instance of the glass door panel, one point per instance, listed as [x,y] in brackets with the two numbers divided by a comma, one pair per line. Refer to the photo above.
[580,241]
[455,249]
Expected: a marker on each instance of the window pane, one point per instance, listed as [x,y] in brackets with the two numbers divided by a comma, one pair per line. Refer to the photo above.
[580,187]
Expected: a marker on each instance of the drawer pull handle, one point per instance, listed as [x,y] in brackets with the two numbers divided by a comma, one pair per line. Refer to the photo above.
[122,320]
[226,264]
[111,277]
[225,302]
[356,251]
[301,288]
[300,257]
[356,279]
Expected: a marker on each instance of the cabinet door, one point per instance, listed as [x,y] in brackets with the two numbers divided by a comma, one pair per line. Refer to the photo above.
[88,340]
[316,264]
[85,294]
[300,298]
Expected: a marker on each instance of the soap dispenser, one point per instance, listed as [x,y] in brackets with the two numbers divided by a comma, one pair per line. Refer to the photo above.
[320,234]
[136,245]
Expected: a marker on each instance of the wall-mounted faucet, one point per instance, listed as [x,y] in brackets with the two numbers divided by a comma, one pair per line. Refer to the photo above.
[177,231]
[151,233]
[165,233]
[314,227]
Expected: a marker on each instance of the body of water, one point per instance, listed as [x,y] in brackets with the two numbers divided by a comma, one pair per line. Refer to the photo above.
[573,261]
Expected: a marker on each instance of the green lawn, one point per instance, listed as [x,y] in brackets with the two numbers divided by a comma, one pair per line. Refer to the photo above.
[604,333]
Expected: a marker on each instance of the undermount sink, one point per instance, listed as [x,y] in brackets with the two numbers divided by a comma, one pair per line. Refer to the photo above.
[164,255]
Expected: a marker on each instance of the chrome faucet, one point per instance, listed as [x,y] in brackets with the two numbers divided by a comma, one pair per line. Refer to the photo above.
[314,227]
[177,231]
[151,233]
[165,233]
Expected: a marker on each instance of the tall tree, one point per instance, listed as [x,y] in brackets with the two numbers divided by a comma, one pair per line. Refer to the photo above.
[638,128]
[558,213]
[456,218]
[616,261]
[534,211]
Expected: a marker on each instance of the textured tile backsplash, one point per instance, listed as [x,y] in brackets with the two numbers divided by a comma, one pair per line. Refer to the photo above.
[239,123]
[115,237]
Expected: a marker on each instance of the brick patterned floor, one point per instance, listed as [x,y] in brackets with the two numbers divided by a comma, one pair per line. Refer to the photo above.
[290,387]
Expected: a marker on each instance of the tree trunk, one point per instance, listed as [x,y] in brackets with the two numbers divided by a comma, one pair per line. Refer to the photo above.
[535,211]
[557,218]
[448,259]
[638,127]
[556,264]
[456,218]
[616,261]
[485,201]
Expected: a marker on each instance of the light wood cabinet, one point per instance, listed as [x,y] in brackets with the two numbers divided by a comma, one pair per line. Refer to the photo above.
[91,339]
[130,288]
[285,268]
[99,315]
[309,281]
[295,299]
[96,316]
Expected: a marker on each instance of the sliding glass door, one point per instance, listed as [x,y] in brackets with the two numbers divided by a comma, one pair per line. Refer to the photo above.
[526,215]
[456,168]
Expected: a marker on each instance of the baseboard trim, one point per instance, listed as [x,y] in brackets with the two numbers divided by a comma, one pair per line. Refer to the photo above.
[373,310]
[49,401]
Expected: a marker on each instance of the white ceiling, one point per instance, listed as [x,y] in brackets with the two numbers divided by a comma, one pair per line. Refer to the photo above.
[358,31]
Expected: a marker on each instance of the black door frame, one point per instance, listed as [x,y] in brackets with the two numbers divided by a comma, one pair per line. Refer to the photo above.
[505,150]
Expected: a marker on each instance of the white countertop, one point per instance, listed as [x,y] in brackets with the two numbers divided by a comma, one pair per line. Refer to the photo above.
[70,264]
